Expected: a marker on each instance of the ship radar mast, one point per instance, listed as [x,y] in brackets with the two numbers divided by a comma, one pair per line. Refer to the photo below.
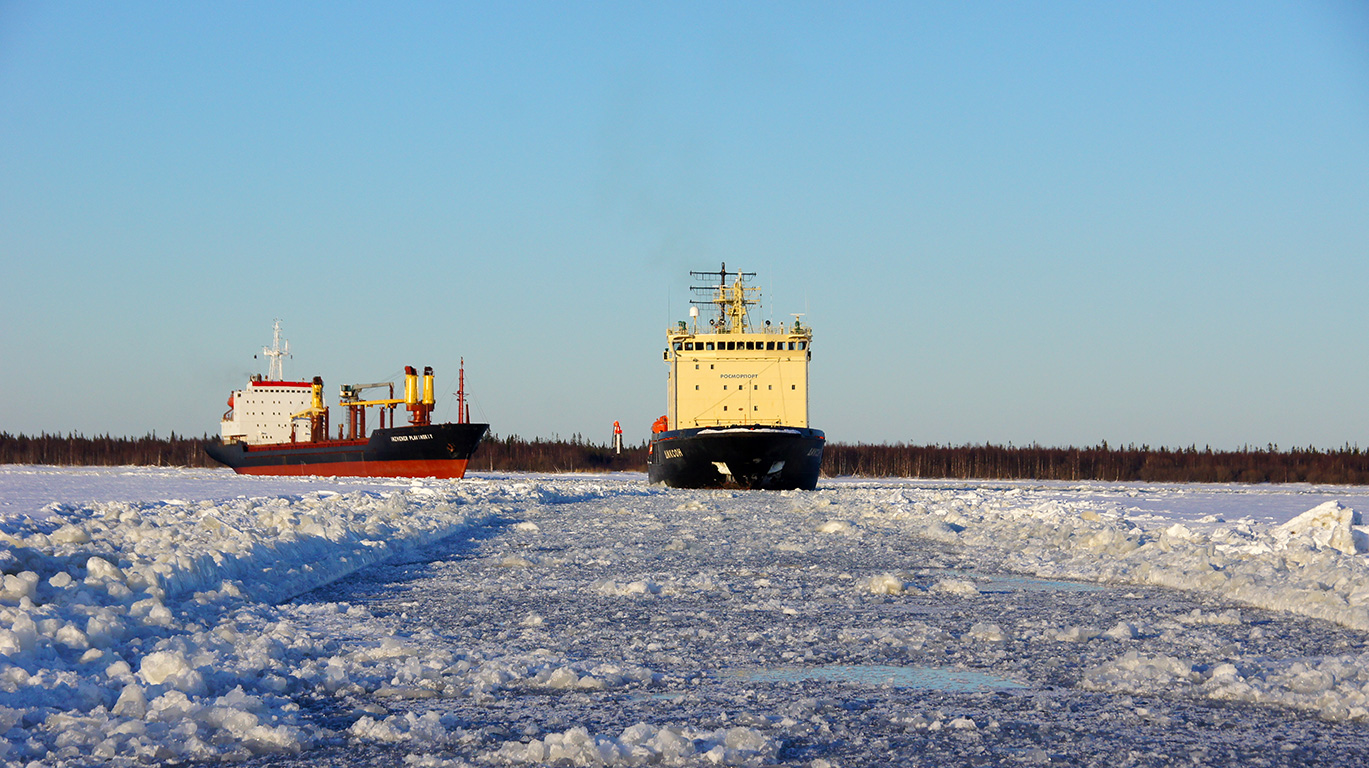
[730,299]
[276,370]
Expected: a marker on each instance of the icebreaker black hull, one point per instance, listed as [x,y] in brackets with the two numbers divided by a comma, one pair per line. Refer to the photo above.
[755,457]
[435,450]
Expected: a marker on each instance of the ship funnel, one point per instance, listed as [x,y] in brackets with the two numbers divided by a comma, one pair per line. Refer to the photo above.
[410,387]
[428,398]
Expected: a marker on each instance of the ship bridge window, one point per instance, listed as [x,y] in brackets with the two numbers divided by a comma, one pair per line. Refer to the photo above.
[803,345]
[708,345]
[791,344]
[769,345]
[750,345]
[677,346]
[689,346]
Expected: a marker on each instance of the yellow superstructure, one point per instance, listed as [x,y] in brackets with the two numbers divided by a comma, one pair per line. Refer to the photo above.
[734,373]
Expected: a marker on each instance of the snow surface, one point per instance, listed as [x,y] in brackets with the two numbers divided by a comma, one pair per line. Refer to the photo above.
[155,615]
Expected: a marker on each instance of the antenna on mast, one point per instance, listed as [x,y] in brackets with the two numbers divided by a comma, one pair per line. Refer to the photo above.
[730,300]
[276,370]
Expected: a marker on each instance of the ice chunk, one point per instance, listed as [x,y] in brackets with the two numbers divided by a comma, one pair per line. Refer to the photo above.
[958,587]
[99,570]
[1329,525]
[1123,630]
[172,668]
[18,586]
[613,588]
[132,702]
[1077,634]
[643,744]
[70,534]
[986,632]
[886,584]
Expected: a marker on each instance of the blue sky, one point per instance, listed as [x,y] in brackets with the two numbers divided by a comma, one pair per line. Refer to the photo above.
[1057,223]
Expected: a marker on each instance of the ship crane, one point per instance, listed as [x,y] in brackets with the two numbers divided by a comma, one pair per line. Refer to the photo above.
[317,413]
[349,395]
[419,405]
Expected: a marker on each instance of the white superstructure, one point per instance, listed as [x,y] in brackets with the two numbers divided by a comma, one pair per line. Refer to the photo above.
[269,409]
[263,411]
[733,372]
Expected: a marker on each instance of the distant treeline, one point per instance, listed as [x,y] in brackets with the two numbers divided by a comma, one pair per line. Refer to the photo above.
[106,451]
[512,454]
[1345,466]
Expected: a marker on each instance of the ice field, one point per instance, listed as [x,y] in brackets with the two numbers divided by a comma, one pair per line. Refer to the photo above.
[170,616]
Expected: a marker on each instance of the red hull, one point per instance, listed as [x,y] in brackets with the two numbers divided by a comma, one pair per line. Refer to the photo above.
[447,469]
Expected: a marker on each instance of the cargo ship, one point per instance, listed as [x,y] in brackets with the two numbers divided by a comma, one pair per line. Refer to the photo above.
[278,427]
[736,396]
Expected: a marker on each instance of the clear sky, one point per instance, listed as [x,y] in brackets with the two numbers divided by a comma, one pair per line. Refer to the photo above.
[1060,223]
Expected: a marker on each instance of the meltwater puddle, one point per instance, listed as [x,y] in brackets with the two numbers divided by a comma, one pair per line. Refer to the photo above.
[879,675]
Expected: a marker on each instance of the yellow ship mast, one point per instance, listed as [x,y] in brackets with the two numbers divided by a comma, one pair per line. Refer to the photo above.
[731,300]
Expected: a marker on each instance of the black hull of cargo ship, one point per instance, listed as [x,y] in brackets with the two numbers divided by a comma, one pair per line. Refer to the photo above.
[435,450]
[755,457]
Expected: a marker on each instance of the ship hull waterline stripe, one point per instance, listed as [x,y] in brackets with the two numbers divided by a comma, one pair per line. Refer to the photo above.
[448,469]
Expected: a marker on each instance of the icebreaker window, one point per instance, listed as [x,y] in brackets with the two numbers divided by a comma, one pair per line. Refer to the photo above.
[793,386]
[677,346]
[769,345]
[708,345]
[803,345]
[750,345]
